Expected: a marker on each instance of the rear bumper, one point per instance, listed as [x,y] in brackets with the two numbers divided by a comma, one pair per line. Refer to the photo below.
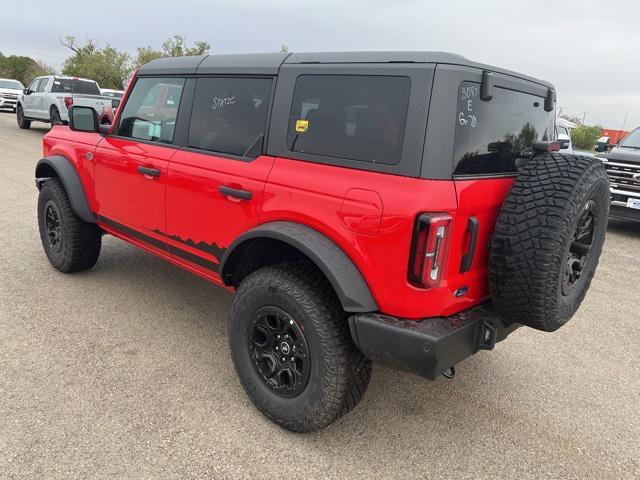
[624,213]
[430,346]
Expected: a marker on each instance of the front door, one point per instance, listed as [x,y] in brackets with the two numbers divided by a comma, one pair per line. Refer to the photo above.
[215,184]
[131,166]
[29,101]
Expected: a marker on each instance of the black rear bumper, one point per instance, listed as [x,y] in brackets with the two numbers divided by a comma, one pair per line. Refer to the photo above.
[430,346]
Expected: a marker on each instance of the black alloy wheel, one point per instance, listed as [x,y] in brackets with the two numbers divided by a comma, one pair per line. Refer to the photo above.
[53,227]
[580,247]
[279,351]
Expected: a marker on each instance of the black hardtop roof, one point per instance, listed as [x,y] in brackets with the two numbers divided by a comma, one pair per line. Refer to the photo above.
[270,63]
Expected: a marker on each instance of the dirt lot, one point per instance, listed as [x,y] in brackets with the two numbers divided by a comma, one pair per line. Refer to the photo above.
[124,372]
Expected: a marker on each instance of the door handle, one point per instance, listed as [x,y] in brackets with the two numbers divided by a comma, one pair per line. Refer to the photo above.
[235,193]
[467,258]
[151,172]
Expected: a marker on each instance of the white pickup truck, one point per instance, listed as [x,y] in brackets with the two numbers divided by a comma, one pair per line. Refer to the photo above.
[48,99]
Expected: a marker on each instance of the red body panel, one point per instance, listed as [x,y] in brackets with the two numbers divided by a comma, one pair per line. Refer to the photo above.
[369,215]
[200,219]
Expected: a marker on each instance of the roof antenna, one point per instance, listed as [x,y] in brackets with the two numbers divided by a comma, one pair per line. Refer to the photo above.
[486,89]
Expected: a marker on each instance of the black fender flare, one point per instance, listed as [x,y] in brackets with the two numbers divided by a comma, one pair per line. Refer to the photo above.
[69,177]
[342,273]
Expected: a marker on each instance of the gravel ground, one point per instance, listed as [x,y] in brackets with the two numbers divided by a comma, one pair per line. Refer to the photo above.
[124,372]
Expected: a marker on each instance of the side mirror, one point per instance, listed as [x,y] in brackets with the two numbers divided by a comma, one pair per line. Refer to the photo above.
[83,119]
[564,140]
[26,91]
[115,103]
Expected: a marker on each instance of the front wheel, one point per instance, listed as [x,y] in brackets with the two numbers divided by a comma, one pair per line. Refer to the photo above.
[71,244]
[291,347]
[22,121]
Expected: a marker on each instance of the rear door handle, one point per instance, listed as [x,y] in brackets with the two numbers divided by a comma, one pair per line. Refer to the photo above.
[151,172]
[467,258]
[235,193]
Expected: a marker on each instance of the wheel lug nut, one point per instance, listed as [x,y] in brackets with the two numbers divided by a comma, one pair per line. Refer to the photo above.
[276,348]
[292,359]
[283,359]
[290,322]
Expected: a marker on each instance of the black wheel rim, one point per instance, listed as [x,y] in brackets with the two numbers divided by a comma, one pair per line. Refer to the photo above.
[53,226]
[580,248]
[279,351]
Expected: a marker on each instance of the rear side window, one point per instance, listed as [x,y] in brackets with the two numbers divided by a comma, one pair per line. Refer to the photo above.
[69,85]
[151,109]
[354,117]
[229,115]
[491,134]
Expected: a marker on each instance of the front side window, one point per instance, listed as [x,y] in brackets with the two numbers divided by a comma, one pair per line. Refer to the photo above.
[356,117]
[490,135]
[42,86]
[34,85]
[229,115]
[151,109]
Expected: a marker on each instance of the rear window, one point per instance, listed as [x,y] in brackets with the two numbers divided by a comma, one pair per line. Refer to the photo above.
[68,85]
[354,117]
[491,134]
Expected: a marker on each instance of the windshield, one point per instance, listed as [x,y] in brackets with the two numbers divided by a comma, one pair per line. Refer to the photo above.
[12,84]
[632,140]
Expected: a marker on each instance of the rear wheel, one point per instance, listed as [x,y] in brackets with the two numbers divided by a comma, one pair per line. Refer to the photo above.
[71,244]
[292,350]
[54,116]
[548,239]
[22,121]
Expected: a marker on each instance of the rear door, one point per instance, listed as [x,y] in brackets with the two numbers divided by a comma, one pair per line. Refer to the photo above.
[215,184]
[40,104]
[131,166]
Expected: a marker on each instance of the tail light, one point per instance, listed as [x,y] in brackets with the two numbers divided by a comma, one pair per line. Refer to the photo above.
[68,101]
[431,236]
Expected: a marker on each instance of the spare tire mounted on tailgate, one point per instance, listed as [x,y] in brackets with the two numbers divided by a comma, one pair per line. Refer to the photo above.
[548,239]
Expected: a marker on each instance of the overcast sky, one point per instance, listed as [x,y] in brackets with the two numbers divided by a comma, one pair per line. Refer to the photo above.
[588,48]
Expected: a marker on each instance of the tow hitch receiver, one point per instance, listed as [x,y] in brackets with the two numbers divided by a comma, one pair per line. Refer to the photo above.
[431,346]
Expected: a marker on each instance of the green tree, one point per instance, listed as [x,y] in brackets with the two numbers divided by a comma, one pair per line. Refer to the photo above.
[23,68]
[584,137]
[172,47]
[107,66]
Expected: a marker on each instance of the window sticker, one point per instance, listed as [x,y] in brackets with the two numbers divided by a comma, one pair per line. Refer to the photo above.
[302,126]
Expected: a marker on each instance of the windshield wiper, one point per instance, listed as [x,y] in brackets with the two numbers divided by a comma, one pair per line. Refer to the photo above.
[630,146]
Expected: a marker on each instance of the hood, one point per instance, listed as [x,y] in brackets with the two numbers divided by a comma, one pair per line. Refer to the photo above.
[624,155]
[10,90]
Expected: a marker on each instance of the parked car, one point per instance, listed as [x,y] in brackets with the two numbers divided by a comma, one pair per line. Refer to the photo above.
[563,134]
[9,91]
[622,163]
[48,99]
[405,208]
[107,92]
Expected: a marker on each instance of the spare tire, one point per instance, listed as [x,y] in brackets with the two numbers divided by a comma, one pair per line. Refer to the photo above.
[548,239]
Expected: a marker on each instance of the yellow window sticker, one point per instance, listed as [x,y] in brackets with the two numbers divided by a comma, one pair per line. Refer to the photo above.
[302,126]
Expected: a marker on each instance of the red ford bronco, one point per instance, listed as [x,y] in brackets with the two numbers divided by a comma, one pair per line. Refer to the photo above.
[409,209]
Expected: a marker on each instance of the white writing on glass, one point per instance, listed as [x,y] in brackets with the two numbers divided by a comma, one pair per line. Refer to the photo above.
[222,102]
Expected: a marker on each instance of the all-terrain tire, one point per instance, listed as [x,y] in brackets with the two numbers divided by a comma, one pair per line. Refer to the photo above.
[534,273]
[339,373]
[22,122]
[71,244]
[54,116]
